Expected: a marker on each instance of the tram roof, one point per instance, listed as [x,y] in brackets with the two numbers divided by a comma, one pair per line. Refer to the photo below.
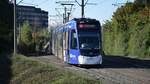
[78,20]
[83,20]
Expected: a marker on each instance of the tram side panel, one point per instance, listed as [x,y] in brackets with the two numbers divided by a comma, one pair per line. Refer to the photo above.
[53,42]
[59,42]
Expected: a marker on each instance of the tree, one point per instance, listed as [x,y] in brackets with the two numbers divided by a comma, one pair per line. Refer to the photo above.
[26,44]
[6,25]
[26,35]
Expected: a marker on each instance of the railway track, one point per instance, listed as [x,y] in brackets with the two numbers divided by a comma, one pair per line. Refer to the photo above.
[115,70]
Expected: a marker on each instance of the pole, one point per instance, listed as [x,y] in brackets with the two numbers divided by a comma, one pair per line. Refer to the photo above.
[82,9]
[68,17]
[65,16]
[19,33]
[14,27]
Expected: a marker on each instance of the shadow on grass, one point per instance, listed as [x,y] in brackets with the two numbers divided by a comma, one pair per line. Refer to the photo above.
[120,62]
[37,54]
[110,61]
[124,62]
[5,68]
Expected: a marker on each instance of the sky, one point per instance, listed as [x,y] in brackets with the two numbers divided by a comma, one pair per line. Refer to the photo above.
[102,11]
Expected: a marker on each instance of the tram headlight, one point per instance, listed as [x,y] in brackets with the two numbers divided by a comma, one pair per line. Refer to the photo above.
[80,59]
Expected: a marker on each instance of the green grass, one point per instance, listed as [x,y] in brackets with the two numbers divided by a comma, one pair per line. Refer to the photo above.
[28,71]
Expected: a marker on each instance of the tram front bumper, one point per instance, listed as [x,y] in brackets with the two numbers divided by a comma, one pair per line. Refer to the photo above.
[90,60]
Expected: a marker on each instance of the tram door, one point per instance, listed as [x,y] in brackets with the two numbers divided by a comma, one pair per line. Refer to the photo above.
[59,45]
[65,46]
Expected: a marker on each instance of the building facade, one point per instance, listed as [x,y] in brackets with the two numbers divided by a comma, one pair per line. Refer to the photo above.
[36,17]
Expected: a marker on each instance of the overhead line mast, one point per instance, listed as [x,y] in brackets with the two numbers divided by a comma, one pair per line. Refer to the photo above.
[83,4]
[82,7]
[66,3]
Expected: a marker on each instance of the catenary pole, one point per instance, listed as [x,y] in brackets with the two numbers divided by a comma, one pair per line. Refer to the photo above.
[82,9]
[14,27]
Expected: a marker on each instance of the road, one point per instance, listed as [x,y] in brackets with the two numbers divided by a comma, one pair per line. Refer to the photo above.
[115,69]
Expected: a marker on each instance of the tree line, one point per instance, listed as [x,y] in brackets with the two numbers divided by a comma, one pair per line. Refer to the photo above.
[128,32]
[28,41]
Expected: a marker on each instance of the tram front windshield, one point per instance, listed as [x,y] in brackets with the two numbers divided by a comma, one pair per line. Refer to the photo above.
[89,39]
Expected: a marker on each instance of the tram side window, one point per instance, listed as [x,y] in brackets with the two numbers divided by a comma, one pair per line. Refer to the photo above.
[73,40]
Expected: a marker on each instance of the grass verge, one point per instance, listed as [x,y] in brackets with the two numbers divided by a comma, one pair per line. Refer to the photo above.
[28,71]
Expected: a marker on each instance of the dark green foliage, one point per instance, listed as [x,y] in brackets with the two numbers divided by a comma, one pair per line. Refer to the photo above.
[128,33]
[6,25]
[147,2]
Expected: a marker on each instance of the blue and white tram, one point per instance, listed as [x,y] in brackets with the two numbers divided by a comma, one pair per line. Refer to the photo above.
[78,42]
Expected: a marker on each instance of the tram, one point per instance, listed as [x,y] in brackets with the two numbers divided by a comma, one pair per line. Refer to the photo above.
[78,41]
